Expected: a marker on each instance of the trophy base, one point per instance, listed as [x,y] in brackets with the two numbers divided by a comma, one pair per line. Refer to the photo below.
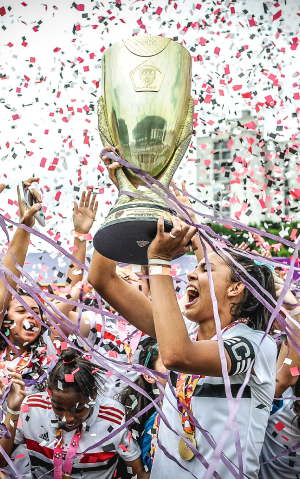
[128,230]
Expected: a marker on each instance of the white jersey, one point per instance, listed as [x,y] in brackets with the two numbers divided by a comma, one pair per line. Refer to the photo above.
[282,433]
[38,431]
[111,347]
[210,408]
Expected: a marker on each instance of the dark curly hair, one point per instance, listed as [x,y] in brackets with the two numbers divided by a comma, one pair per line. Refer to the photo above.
[129,394]
[35,345]
[87,379]
[251,307]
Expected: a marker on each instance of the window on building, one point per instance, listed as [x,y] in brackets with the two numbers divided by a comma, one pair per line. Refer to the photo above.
[222,165]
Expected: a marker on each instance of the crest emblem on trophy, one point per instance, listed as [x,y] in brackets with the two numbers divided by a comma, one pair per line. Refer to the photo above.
[146,111]
[147,74]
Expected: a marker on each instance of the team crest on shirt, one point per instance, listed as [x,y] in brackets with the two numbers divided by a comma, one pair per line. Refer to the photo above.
[44,436]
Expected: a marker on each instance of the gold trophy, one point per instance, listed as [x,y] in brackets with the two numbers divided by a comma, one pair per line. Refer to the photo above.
[147,113]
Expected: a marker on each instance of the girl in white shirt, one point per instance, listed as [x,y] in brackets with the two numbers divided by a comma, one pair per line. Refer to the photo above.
[61,427]
[200,386]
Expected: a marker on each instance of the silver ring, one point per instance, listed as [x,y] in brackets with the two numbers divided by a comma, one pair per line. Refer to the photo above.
[172,236]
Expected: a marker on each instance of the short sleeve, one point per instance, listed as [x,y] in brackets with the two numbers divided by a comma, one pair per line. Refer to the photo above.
[127,448]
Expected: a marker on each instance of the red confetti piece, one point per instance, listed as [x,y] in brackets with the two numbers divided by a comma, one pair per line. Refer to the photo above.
[217,50]
[279,426]
[294,371]
[123,447]
[15,117]
[56,49]
[80,7]
[2,11]
[277,15]
[57,196]
[73,248]
[198,6]
[237,87]
[69,378]
[158,11]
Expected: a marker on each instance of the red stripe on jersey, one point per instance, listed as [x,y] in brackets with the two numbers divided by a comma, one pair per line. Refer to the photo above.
[30,400]
[48,453]
[112,409]
[39,405]
[108,413]
[38,395]
[109,419]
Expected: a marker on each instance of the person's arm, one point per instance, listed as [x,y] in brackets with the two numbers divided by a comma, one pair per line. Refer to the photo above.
[127,300]
[138,468]
[178,352]
[18,246]
[284,378]
[83,218]
[14,401]
[66,309]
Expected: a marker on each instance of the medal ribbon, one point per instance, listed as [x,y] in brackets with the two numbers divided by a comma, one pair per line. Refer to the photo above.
[185,387]
[154,436]
[61,471]
[129,346]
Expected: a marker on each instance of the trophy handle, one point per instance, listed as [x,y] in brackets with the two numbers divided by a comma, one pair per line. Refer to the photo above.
[108,140]
[182,143]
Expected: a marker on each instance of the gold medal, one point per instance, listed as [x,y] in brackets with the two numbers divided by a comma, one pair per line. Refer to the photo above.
[184,451]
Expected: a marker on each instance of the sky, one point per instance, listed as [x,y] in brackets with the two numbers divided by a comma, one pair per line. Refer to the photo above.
[245,56]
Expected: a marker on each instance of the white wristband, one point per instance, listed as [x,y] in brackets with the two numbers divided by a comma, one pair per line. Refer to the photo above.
[14,413]
[294,312]
[162,262]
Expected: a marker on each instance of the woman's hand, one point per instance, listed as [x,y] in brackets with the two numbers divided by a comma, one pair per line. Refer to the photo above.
[244,246]
[84,215]
[289,302]
[111,166]
[182,198]
[27,216]
[164,246]
[17,391]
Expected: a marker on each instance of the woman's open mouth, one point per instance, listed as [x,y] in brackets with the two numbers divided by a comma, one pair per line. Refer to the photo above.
[193,295]
[29,326]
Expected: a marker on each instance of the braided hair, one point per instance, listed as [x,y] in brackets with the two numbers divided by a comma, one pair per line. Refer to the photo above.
[35,345]
[250,307]
[87,380]
[129,394]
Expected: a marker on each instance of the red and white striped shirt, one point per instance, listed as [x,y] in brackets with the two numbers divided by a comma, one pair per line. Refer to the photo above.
[38,431]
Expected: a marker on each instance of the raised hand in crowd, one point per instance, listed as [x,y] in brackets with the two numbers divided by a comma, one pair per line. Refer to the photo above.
[84,216]
[19,245]
[2,187]
[112,166]
[14,401]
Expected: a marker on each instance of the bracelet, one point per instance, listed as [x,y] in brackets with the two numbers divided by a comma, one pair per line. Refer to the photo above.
[14,413]
[164,270]
[80,236]
[163,262]
[294,312]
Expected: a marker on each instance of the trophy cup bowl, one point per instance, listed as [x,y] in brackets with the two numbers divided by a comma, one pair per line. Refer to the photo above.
[147,113]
